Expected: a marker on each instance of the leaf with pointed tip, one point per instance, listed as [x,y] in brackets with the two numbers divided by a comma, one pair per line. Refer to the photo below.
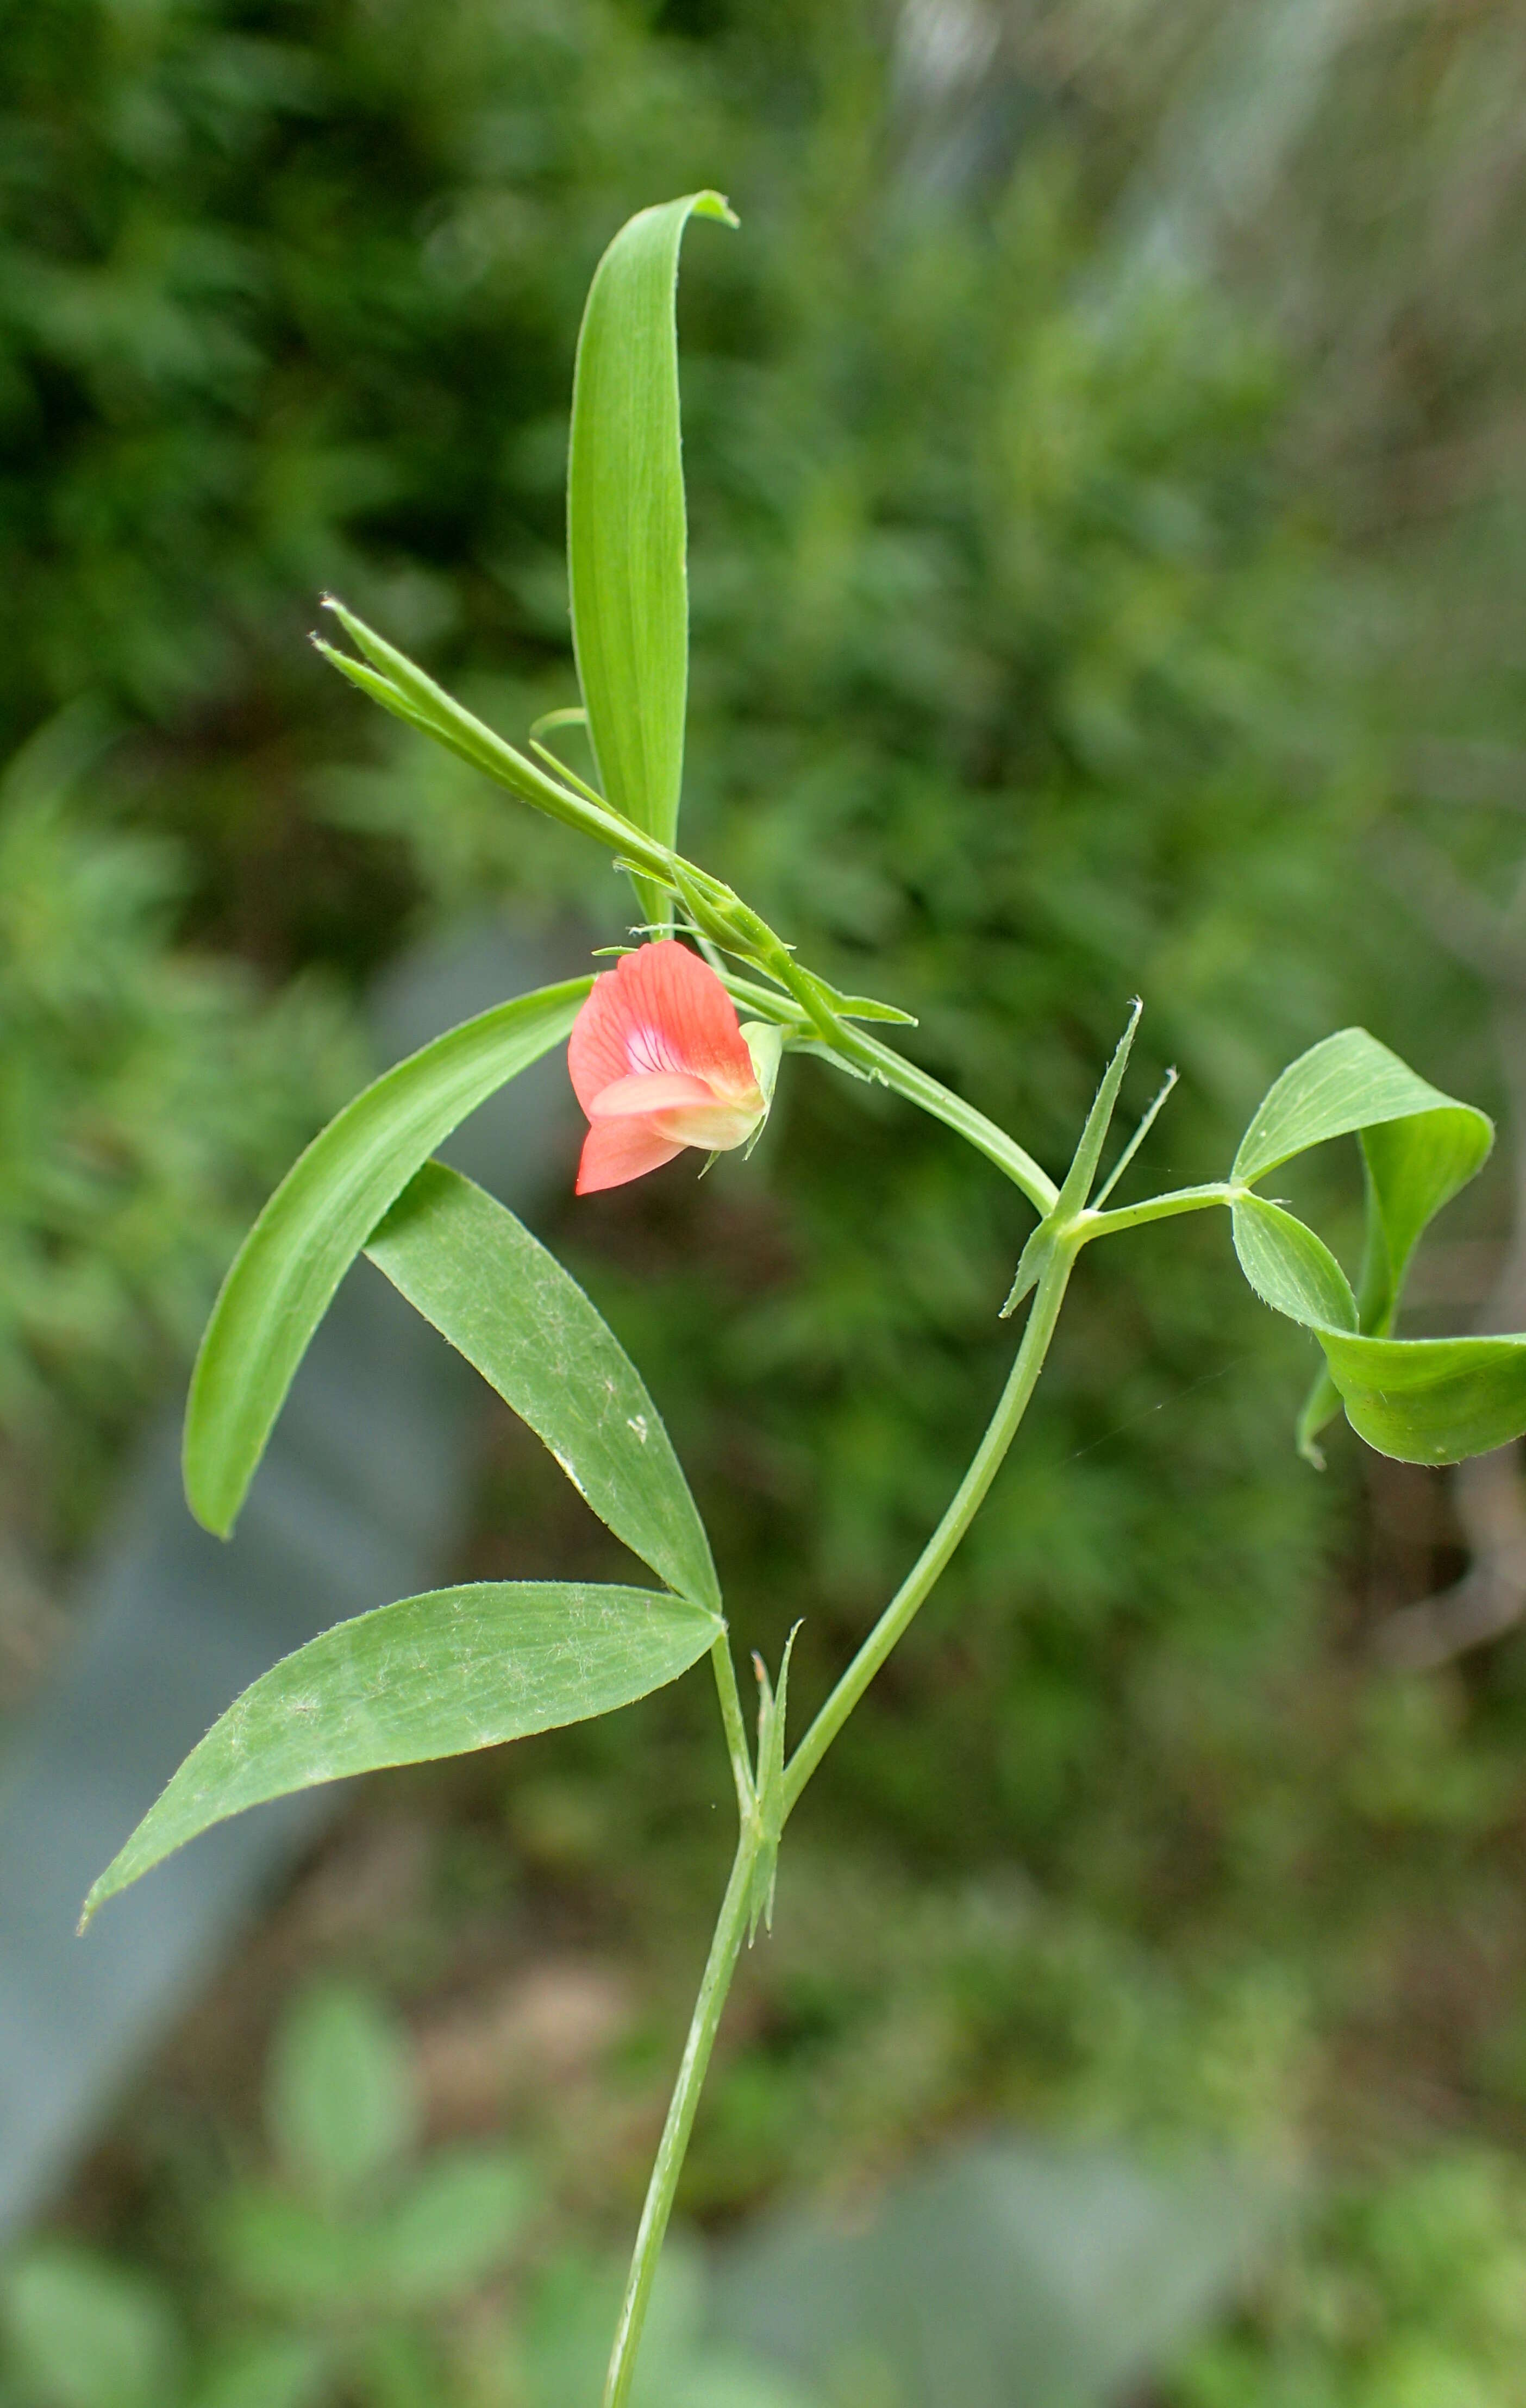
[625,524]
[437,1675]
[1419,1399]
[464,1262]
[1077,1182]
[284,1279]
[865,1006]
[773,1710]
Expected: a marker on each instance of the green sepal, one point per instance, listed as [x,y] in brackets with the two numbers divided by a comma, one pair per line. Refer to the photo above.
[1054,1229]
[765,1042]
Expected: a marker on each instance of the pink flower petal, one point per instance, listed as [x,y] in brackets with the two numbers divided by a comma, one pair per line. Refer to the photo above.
[616,1151]
[660,1009]
[658,1063]
[649,1090]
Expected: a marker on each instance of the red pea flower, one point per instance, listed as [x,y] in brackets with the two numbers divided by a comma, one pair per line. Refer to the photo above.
[658,1062]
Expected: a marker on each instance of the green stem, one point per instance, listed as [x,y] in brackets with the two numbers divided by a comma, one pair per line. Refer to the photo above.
[893,1072]
[1088,1226]
[735,1907]
[892,1069]
[736,1728]
[894,1622]
[730,1928]
[898,1615]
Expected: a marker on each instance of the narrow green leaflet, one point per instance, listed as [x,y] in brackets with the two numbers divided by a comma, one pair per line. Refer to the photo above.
[1430,1400]
[1076,1186]
[286,1271]
[435,1675]
[464,1262]
[1055,1227]
[626,526]
[405,690]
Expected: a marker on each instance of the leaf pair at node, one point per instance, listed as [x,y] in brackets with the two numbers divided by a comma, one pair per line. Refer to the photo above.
[1419,1399]
[1422,1399]
[469,1666]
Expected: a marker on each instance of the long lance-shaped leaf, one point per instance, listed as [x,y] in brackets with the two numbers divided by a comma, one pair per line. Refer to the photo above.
[283,1278]
[625,524]
[464,1262]
[435,1675]
[1432,1400]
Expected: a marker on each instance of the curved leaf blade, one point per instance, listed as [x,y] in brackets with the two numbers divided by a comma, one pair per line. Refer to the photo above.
[285,1273]
[1429,1399]
[1411,1168]
[1419,1147]
[1414,1166]
[626,529]
[468,1265]
[1419,1399]
[1346,1082]
[435,1675]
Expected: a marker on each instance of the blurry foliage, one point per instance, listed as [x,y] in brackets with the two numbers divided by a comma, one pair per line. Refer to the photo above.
[1404,2294]
[286,289]
[352,2267]
[341,2263]
[281,290]
[145,1097]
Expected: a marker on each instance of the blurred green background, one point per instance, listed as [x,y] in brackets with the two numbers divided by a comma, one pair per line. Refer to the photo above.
[1108,524]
